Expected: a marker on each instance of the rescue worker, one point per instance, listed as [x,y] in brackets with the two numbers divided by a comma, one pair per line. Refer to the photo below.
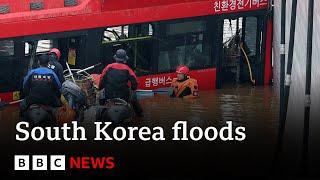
[114,79]
[54,64]
[183,86]
[41,86]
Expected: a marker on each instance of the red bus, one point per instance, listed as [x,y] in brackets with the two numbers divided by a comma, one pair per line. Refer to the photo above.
[222,41]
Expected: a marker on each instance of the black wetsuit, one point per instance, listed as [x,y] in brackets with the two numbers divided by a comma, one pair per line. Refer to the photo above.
[57,68]
[42,86]
[115,78]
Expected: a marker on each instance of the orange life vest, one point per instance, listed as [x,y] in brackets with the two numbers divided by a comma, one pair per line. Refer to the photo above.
[179,87]
[65,114]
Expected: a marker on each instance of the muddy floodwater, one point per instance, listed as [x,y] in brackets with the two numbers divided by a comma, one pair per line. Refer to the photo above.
[252,107]
[255,108]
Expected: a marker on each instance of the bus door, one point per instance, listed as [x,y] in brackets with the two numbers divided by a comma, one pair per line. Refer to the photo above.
[243,49]
[70,49]
[82,50]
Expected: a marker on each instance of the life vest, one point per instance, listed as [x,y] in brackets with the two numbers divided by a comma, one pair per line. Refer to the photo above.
[65,114]
[180,87]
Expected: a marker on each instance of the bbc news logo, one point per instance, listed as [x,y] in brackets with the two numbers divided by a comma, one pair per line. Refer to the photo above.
[59,163]
[39,162]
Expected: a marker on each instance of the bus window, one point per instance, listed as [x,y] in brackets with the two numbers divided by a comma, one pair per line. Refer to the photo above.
[141,50]
[184,43]
[159,47]
[231,41]
[42,46]
[115,33]
[250,39]
[7,64]
[136,39]
[6,48]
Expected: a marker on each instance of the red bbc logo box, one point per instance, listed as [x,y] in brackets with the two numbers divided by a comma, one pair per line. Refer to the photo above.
[39,162]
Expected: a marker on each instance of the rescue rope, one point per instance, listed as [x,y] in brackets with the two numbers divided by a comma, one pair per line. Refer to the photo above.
[249,65]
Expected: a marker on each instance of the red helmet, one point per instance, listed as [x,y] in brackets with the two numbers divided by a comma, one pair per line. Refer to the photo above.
[56,51]
[182,69]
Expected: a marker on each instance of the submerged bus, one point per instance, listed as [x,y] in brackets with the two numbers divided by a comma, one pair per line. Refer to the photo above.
[222,41]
